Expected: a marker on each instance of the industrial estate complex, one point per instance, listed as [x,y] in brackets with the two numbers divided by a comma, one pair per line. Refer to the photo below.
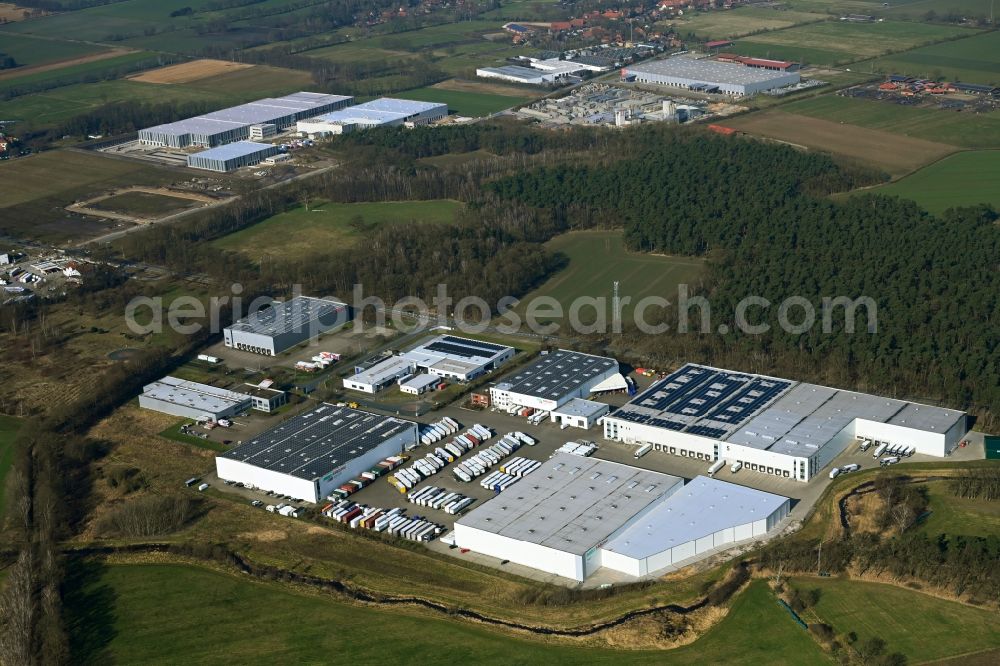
[309,455]
[281,326]
[775,426]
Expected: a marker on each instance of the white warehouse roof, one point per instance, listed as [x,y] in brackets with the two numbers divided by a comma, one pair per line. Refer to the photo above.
[703,507]
[210,399]
[235,149]
[705,70]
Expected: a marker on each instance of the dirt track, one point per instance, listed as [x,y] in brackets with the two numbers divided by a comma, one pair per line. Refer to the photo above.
[59,64]
[85,206]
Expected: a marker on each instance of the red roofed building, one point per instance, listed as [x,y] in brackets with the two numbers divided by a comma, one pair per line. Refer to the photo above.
[762,63]
[718,44]
[561,25]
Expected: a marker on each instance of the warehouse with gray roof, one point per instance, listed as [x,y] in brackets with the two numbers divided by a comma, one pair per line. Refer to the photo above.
[309,455]
[709,76]
[382,112]
[282,325]
[233,124]
[232,156]
[554,379]
[773,426]
[192,400]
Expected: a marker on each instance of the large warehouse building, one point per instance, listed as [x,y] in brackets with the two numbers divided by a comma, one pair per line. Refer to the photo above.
[192,400]
[283,325]
[574,515]
[773,426]
[445,356]
[233,124]
[232,156]
[309,455]
[383,112]
[711,76]
[554,379]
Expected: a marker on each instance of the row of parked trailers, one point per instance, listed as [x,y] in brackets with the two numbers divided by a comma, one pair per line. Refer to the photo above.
[509,473]
[477,465]
[392,521]
[354,485]
[422,468]
[885,448]
[435,432]
[440,498]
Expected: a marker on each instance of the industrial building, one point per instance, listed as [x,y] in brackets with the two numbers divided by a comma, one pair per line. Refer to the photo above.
[774,426]
[283,325]
[444,357]
[232,156]
[575,515]
[192,400]
[266,399]
[710,76]
[233,124]
[580,413]
[517,74]
[309,455]
[704,515]
[383,112]
[554,379]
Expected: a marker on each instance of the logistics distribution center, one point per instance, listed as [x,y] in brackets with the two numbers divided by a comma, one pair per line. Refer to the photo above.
[574,515]
[557,378]
[192,400]
[444,357]
[710,76]
[283,325]
[775,426]
[233,124]
[382,112]
[309,455]
[232,156]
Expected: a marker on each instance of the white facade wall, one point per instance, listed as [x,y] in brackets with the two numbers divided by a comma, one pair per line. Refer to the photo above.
[529,554]
[669,441]
[149,402]
[930,443]
[247,341]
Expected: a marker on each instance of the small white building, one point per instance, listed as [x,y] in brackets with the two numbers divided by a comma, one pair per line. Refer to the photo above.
[580,413]
[419,384]
[266,399]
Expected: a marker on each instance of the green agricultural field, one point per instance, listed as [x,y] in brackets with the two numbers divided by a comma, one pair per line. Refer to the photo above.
[94,68]
[134,614]
[922,627]
[844,42]
[465,103]
[301,232]
[959,516]
[173,433]
[741,21]
[965,130]
[975,59]
[29,51]
[962,179]
[8,430]
[597,259]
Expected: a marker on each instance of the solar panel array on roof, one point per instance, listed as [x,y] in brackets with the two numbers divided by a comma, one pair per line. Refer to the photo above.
[703,401]
[558,373]
[291,315]
[314,443]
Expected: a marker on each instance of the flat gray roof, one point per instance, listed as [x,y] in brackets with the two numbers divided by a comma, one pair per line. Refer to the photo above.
[192,394]
[571,503]
[582,408]
[701,508]
[296,314]
[312,444]
[704,70]
[235,149]
[557,373]
[516,71]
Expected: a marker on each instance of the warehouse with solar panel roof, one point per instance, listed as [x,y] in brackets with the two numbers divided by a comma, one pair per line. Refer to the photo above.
[773,426]
[309,455]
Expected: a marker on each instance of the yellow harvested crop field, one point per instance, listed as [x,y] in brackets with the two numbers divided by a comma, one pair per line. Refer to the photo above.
[186,72]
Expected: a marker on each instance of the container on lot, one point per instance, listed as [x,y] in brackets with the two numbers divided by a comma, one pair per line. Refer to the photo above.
[736,466]
[891,460]
[203,487]
[643,450]
[852,467]
[880,450]
[834,473]
[715,467]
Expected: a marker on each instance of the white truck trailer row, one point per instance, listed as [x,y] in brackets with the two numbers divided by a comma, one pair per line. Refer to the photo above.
[516,469]
[478,464]
[437,431]
[406,479]
[440,498]
[579,448]
[393,521]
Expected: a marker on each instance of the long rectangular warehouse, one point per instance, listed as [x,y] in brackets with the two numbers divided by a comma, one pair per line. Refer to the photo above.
[382,112]
[309,455]
[706,75]
[283,325]
[233,124]
[773,426]
[232,156]
[554,379]
[192,400]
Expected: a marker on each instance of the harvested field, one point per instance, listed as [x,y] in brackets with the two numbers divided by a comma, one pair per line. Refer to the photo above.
[186,72]
[895,154]
[19,72]
[10,12]
[462,85]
